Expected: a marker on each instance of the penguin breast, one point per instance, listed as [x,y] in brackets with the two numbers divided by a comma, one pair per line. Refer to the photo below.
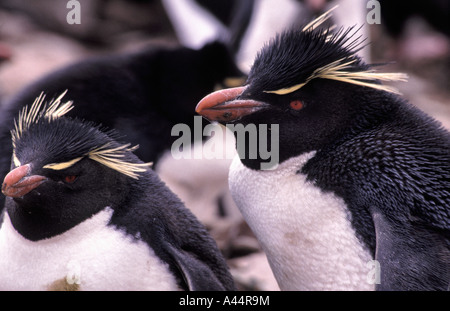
[305,232]
[91,256]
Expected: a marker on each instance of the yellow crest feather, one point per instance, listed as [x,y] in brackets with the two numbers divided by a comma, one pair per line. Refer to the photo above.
[38,111]
[319,20]
[338,70]
[110,157]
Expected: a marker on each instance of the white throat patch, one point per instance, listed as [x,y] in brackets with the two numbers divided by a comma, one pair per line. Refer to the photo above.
[305,232]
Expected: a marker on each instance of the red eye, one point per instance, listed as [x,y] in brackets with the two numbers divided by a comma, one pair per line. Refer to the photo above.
[296,104]
[70,179]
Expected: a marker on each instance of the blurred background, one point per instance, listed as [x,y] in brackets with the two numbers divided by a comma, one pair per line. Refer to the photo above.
[36,39]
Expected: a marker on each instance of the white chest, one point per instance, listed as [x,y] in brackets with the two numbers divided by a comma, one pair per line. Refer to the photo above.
[305,232]
[90,256]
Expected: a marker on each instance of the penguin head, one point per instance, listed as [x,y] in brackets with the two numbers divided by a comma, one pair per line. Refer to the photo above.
[63,171]
[309,82]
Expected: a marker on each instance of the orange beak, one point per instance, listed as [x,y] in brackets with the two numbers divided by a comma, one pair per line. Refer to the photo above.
[224,106]
[17,183]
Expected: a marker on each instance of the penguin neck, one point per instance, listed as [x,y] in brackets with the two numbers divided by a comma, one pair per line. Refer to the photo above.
[96,221]
[35,225]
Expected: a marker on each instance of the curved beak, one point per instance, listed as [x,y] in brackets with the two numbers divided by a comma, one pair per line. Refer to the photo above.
[17,183]
[224,105]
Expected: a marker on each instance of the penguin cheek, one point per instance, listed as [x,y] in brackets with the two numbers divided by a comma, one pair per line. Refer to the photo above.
[295,113]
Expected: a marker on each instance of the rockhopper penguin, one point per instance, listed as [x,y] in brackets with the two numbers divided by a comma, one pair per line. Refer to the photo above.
[84,213]
[362,174]
[141,94]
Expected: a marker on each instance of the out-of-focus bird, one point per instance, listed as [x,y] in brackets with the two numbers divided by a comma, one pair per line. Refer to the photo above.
[141,95]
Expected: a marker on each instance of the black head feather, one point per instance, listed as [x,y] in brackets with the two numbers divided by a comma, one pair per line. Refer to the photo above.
[41,135]
[294,56]
[60,140]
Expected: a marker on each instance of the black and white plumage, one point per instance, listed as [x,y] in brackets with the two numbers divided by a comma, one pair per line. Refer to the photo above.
[362,174]
[84,213]
[141,95]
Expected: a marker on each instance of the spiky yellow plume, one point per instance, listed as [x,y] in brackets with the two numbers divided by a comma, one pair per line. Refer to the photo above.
[112,157]
[340,69]
[38,111]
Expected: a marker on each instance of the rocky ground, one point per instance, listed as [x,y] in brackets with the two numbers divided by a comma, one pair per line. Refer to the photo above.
[36,39]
